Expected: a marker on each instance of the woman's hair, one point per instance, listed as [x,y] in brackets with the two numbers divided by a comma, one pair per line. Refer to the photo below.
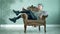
[41,5]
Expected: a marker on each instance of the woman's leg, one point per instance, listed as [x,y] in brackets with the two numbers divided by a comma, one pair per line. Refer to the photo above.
[15,18]
[33,16]
[18,12]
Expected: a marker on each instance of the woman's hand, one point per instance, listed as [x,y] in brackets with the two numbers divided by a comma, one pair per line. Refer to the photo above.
[40,16]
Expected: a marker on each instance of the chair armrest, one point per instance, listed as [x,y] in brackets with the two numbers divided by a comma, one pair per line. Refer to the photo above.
[44,17]
[24,16]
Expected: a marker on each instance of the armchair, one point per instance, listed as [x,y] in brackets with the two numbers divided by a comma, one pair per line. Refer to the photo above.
[34,22]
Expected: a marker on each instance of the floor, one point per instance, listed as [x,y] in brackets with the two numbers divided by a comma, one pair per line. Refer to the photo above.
[9,29]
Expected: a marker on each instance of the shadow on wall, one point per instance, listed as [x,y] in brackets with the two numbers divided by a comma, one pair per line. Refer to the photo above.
[2,21]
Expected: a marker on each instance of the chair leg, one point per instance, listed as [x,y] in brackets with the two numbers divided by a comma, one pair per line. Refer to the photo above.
[39,28]
[25,28]
[45,27]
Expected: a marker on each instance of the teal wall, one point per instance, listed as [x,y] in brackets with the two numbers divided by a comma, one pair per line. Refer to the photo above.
[6,7]
[59,10]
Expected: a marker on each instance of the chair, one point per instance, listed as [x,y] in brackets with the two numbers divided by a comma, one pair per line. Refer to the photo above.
[33,22]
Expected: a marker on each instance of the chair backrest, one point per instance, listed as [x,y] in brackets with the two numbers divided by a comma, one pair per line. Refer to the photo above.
[32,8]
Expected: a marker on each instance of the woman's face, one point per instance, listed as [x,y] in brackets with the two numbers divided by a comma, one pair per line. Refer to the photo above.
[40,7]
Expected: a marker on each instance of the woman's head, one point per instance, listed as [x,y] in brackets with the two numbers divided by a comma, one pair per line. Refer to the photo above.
[40,7]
